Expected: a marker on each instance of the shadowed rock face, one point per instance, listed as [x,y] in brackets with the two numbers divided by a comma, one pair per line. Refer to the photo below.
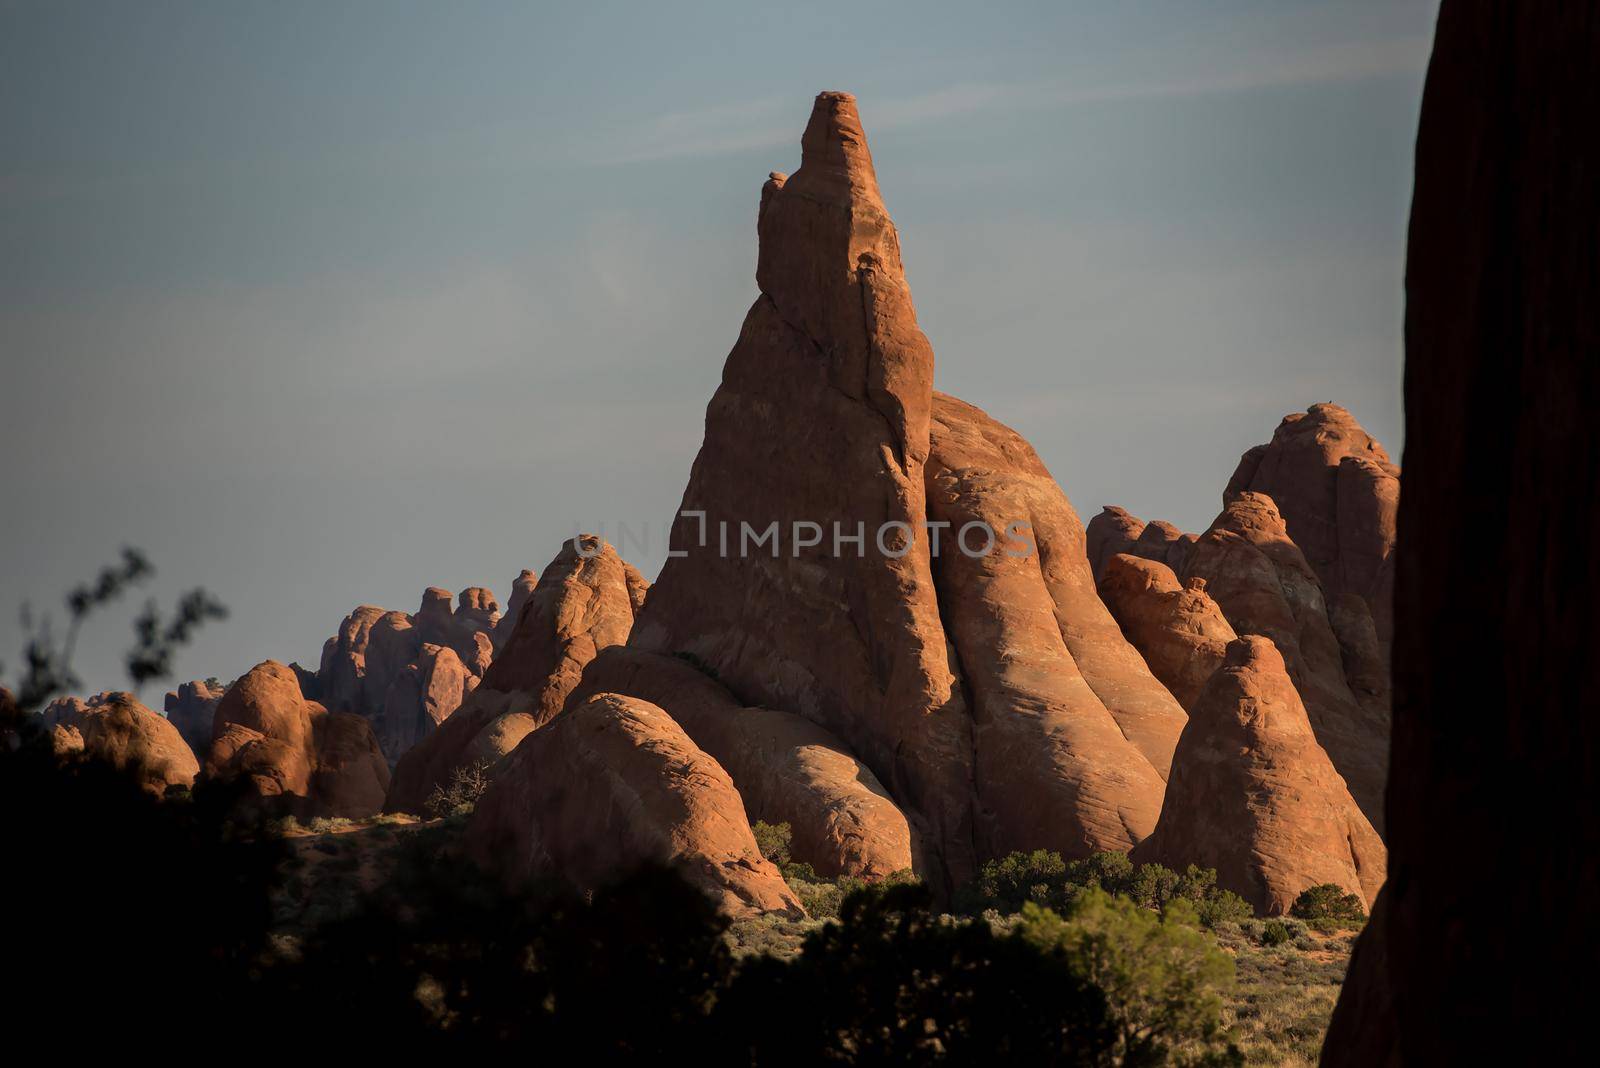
[786,768]
[1264,585]
[296,756]
[615,783]
[116,729]
[1178,629]
[190,708]
[583,603]
[1254,796]
[1496,745]
[1072,734]
[822,417]
[1338,493]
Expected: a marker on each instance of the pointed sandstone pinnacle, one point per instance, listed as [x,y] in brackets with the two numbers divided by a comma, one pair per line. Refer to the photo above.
[1254,796]
[822,417]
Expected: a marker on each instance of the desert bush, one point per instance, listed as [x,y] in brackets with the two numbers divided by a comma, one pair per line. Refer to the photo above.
[1044,878]
[1275,933]
[1329,902]
[1162,977]
[460,794]
[773,840]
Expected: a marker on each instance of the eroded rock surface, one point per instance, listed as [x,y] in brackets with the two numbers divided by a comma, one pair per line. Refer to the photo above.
[114,728]
[1072,734]
[615,783]
[1253,794]
[582,603]
[786,768]
[1178,629]
[190,708]
[297,757]
[1264,585]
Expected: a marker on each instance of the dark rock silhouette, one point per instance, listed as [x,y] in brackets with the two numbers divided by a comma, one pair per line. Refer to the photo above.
[1495,575]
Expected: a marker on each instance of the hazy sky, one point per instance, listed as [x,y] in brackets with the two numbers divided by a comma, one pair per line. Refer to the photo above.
[321,304]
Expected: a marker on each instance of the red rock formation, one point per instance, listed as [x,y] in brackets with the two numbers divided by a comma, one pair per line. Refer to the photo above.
[296,755]
[1264,586]
[406,673]
[116,729]
[1072,734]
[1116,530]
[1254,796]
[611,785]
[190,708]
[786,768]
[1338,495]
[1178,629]
[1496,744]
[582,603]
[521,590]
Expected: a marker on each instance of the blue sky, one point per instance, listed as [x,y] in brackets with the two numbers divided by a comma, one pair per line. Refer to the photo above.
[321,304]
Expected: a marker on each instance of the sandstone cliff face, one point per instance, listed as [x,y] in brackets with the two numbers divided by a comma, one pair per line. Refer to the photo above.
[582,603]
[1253,795]
[1178,629]
[1495,576]
[1265,586]
[295,755]
[114,728]
[1072,735]
[613,784]
[190,709]
[786,768]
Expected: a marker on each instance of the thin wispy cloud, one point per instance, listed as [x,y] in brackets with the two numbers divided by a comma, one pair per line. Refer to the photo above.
[722,130]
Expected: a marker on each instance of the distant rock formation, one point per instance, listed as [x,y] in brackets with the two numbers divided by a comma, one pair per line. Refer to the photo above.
[190,708]
[1496,740]
[1178,629]
[786,768]
[1115,530]
[583,603]
[115,729]
[407,673]
[615,783]
[521,589]
[1253,795]
[297,757]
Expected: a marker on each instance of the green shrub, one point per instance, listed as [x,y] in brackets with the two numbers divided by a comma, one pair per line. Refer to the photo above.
[1275,933]
[1162,977]
[773,841]
[1044,878]
[1329,902]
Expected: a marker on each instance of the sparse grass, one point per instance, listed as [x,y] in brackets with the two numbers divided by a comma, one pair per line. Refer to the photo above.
[1283,997]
